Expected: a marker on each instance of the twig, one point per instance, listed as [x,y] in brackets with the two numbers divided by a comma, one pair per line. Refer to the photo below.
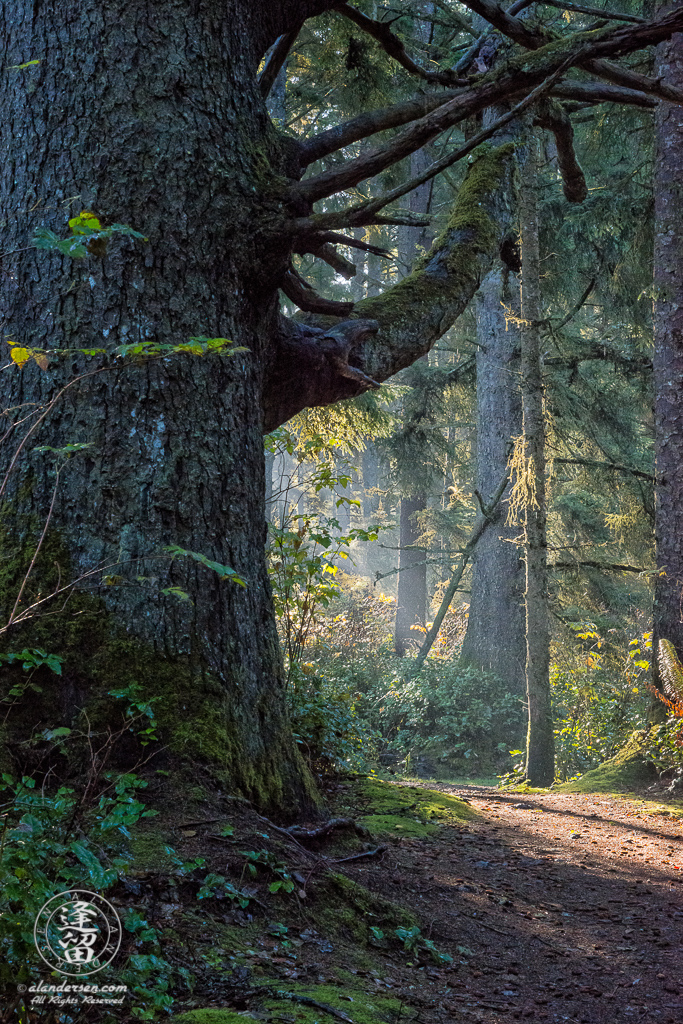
[477,530]
[359,856]
[307,1001]
[36,552]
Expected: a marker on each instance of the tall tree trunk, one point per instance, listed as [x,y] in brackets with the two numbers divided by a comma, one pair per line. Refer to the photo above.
[540,753]
[668,355]
[498,572]
[151,117]
[412,578]
[411,600]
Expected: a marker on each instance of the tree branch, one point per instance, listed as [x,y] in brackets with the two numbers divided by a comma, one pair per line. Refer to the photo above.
[326,252]
[278,56]
[354,216]
[518,77]
[601,92]
[519,32]
[303,296]
[392,45]
[565,5]
[411,316]
[550,115]
[370,122]
[606,465]
[354,243]
[608,566]
[310,367]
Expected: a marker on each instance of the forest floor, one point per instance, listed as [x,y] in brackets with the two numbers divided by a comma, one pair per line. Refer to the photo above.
[553,907]
[572,905]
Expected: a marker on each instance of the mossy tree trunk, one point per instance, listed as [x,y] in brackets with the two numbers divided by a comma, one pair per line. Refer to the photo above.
[150,116]
[498,570]
[668,356]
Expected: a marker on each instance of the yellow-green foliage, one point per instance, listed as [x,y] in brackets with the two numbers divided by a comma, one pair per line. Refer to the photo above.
[411,811]
[626,771]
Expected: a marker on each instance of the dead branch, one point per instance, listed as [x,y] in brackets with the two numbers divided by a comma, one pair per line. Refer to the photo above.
[278,56]
[551,116]
[483,519]
[334,824]
[328,254]
[354,243]
[303,296]
[392,45]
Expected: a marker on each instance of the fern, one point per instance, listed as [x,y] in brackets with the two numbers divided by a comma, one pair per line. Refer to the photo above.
[671,672]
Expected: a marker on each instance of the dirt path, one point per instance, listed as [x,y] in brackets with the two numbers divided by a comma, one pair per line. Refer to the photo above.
[554,907]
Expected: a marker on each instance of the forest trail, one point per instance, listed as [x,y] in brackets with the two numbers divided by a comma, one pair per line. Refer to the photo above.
[554,906]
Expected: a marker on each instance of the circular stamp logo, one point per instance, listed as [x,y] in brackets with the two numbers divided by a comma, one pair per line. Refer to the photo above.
[77,932]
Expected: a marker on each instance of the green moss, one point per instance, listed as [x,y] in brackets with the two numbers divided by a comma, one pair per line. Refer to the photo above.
[470,233]
[353,909]
[149,848]
[626,771]
[209,1017]
[199,726]
[360,1007]
[408,810]
[383,825]
[469,216]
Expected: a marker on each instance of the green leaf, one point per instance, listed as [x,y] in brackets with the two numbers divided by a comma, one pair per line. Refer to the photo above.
[95,870]
[224,571]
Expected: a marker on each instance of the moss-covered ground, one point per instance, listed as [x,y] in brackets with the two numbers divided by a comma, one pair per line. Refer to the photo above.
[628,771]
[389,809]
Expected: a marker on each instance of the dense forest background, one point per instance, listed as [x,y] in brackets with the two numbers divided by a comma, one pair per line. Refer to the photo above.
[402,464]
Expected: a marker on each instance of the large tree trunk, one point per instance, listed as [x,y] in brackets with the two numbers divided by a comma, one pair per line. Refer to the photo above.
[150,117]
[411,591]
[498,571]
[668,356]
[540,750]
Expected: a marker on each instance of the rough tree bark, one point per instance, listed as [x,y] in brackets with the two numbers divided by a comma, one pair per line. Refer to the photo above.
[498,572]
[668,355]
[411,591]
[149,115]
[540,750]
